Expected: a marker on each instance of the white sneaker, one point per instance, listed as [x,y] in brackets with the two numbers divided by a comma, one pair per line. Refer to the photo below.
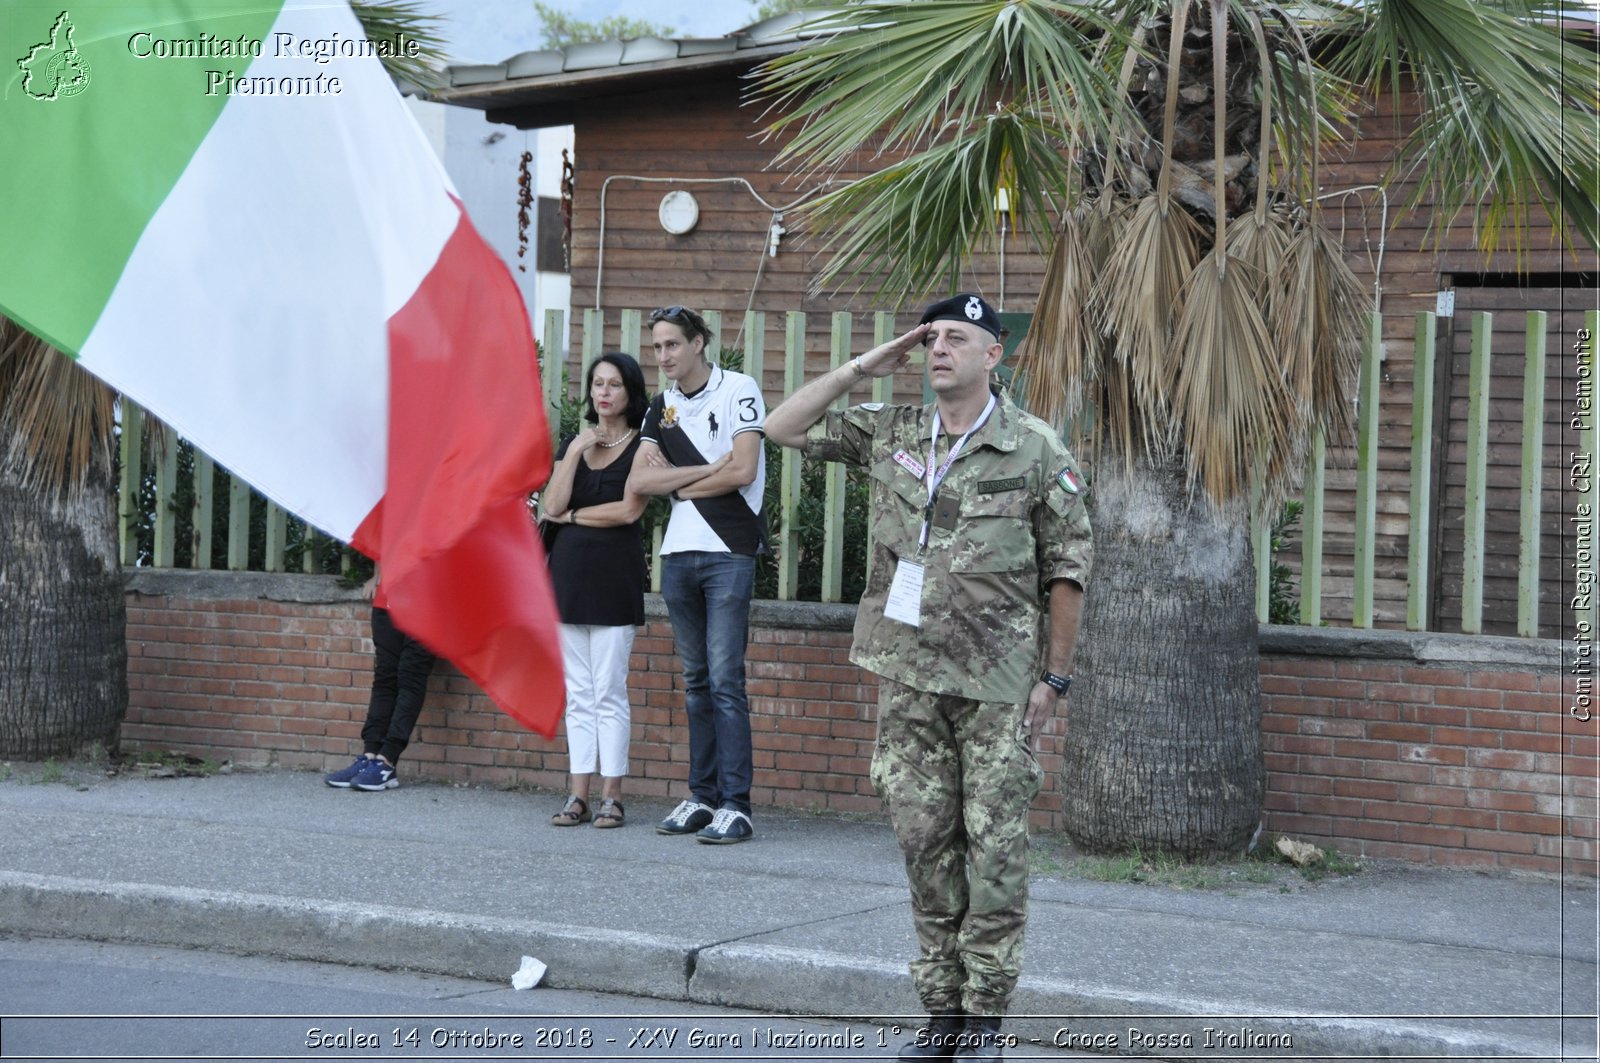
[687,818]
[729,825]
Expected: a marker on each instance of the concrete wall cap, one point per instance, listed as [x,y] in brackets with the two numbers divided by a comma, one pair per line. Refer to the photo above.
[1422,647]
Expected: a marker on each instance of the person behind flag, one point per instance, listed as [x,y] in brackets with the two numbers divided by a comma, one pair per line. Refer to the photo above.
[981,546]
[400,669]
[701,444]
[425,429]
[597,569]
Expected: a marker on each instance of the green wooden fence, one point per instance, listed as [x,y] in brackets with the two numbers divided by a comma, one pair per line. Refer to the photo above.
[256,528]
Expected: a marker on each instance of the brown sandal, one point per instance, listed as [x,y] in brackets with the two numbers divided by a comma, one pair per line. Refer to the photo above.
[610,814]
[574,812]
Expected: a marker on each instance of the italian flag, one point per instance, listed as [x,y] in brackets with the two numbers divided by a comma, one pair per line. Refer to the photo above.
[224,209]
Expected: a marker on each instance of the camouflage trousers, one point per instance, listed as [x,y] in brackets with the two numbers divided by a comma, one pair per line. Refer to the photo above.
[958,776]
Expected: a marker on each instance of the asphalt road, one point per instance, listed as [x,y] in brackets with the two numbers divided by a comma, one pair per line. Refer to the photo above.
[76,1000]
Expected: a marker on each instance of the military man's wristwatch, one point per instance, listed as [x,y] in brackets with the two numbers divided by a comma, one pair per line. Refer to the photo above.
[1058,683]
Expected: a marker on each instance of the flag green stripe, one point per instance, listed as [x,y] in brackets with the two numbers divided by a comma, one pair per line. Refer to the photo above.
[95,164]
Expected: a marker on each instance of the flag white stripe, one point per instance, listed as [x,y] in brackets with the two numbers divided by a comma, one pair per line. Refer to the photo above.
[253,313]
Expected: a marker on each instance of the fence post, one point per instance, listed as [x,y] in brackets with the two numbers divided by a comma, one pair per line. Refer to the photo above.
[277,536]
[553,358]
[833,477]
[1261,544]
[1311,531]
[631,327]
[713,319]
[1367,472]
[238,523]
[755,348]
[1419,543]
[655,557]
[883,332]
[1477,474]
[1532,466]
[132,479]
[755,355]
[204,496]
[166,517]
[794,373]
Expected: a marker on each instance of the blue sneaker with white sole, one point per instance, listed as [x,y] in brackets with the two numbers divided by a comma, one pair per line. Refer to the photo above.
[375,776]
[345,776]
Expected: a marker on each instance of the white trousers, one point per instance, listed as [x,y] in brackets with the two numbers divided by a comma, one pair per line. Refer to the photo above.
[596,663]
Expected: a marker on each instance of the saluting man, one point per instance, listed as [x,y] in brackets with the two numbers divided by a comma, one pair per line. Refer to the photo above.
[981,547]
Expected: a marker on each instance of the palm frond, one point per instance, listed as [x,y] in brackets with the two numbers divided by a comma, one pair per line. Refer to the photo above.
[55,419]
[945,64]
[1139,295]
[1509,110]
[914,224]
[1259,240]
[1319,310]
[1312,108]
[1058,354]
[392,25]
[1229,396]
[1225,344]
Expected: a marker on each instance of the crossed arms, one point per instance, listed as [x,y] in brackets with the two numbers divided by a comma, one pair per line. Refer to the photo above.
[653,474]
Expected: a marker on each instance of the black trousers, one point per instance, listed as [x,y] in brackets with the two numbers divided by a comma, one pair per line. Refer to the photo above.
[400,669]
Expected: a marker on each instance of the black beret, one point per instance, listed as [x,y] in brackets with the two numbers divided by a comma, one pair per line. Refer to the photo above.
[965,307]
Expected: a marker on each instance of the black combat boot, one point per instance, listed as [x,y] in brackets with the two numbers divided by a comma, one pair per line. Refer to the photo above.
[936,1041]
[981,1040]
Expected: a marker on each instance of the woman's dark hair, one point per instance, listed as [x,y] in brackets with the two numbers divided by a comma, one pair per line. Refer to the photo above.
[632,379]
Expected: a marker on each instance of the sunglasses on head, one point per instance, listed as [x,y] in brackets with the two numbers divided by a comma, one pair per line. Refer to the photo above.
[667,313]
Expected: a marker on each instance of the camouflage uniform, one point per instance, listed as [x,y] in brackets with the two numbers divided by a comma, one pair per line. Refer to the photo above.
[952,760]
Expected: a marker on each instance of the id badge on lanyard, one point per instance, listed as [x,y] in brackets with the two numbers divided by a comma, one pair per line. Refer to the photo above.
[905,590]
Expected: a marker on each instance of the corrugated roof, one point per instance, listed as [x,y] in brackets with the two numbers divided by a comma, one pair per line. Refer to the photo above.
[470,84]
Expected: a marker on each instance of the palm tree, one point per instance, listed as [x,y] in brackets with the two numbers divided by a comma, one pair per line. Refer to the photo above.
[1197,324]
[63,615]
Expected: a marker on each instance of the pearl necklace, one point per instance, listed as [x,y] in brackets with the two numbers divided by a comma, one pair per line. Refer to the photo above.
[616,442]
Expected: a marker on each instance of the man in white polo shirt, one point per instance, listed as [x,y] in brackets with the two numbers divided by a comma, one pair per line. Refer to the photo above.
[701,444]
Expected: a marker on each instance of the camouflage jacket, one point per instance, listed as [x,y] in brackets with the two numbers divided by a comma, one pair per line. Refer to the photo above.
[1010,520]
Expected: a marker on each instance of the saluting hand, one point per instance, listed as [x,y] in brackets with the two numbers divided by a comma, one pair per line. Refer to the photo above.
[887,358]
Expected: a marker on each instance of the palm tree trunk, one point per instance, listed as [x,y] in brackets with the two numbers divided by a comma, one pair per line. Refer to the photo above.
[1163,748]
[63,621]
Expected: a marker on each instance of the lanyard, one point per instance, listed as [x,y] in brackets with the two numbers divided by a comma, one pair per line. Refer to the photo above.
[936,477]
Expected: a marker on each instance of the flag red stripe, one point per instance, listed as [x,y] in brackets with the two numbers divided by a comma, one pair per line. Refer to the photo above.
[462,566]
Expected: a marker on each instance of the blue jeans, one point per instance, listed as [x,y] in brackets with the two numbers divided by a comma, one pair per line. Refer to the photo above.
[708,602]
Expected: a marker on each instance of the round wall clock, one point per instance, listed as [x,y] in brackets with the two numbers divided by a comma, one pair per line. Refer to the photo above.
[679,212]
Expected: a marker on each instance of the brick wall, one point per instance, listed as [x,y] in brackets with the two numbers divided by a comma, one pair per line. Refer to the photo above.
[1440,749]
[1443,749]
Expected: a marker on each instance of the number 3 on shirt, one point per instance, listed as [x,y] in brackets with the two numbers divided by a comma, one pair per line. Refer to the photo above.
[747,409]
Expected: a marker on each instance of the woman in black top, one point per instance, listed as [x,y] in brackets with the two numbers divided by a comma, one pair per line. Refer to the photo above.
[597,568]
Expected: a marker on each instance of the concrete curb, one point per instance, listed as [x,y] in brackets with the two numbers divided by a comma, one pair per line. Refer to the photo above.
[786,980]
[335,932]
[766,978]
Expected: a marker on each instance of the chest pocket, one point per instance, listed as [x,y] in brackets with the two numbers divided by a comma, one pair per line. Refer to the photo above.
[897,518]
[996,533]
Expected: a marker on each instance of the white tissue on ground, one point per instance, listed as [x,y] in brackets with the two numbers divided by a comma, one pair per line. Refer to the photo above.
[528,974]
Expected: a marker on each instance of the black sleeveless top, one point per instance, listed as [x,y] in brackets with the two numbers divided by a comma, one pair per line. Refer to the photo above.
[598,573]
